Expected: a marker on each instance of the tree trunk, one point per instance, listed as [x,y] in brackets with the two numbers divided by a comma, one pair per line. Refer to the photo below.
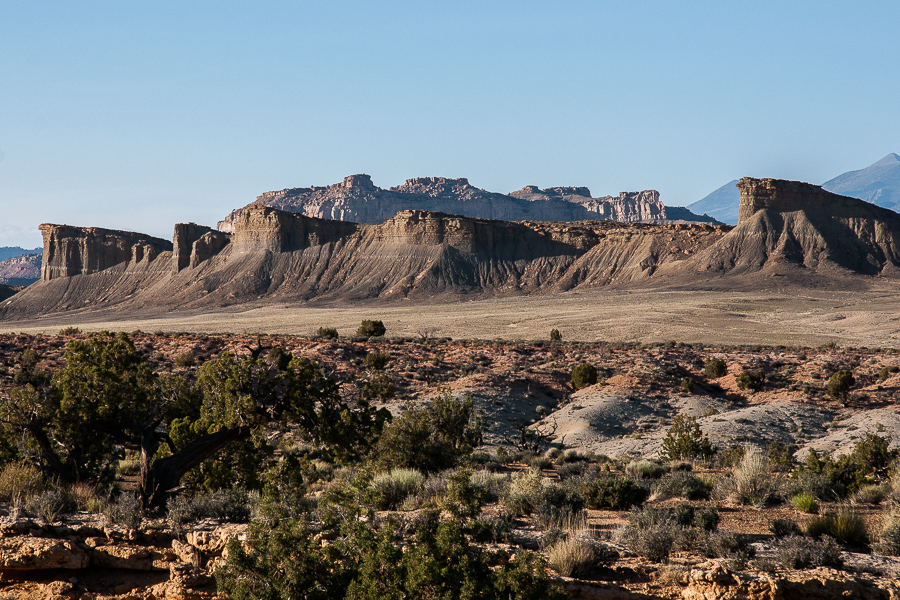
[165,474]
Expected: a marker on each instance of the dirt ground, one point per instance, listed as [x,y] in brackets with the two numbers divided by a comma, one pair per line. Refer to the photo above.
[862,318]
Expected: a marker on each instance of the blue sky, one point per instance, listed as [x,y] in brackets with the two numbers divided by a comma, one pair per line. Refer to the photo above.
[138,115]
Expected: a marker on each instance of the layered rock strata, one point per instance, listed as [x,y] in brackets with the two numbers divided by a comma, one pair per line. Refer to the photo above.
[70,251]
[359,200]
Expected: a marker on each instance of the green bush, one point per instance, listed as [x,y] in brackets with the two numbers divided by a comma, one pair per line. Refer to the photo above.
[555,335]
[844,524]
[184,360]
[69,331]
[376,361]
[614,492]
[839,384]
[751,379]
[714,368]
[371,328]
[463,499]
[20,480]
[431,439]
[707,518]
[328,333]
[869,462]
[685,440]
[687,385]
[583,375]
[805,503]
[379,386]
[285,560]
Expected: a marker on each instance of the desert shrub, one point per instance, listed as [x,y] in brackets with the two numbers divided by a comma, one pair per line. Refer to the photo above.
[812,483]
[129,466]
[46,505]
[557,502]
[69,331]
[555,335]
[871,493]
[798,552]
[685,440]
[682,484]
[524,492]
[463,500]
[805,503]
[370,328]
[433,438]
[730,545]
[494,484]
[714,368]
[839,384]
[644,469]
[567,471]
[376,360]
[184,360]
[583,375]
[869,462]
[780,455]
[649,532]
[614,492]
[752,480]
[125,511]
[235,505]
[687,385]
[889,538]
[843,524]
[392,488]
[19,480]
[784,527]
[751,379]
[328,333]
[684,514]
[83,496]
[571,556]
[707,518]
[379,386]
[286,560]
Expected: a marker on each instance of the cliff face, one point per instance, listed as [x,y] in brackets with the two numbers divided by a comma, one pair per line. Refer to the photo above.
[72,251]
[795,224]
[358,200]
[192,244]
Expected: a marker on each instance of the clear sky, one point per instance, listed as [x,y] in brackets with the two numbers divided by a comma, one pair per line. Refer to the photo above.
[138,115]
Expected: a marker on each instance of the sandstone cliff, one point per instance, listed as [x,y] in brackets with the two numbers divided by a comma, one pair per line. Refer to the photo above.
[279,256]
[800,225]
[357,199]
[72,251]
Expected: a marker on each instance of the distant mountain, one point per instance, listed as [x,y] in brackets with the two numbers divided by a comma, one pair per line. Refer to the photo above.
[10,251]
[24,269]
[721,204]
[359,200]
[878,183]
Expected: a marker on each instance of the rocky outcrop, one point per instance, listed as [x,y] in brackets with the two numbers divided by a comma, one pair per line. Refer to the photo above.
[70,251]
[795,225]
[20,270]
[193,244]
[265,229]
[359,200]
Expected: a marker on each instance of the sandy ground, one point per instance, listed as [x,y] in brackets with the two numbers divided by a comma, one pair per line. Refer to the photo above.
[868,318]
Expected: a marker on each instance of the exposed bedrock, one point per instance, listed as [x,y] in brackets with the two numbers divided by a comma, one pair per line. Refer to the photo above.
[194,244]
[72,251]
